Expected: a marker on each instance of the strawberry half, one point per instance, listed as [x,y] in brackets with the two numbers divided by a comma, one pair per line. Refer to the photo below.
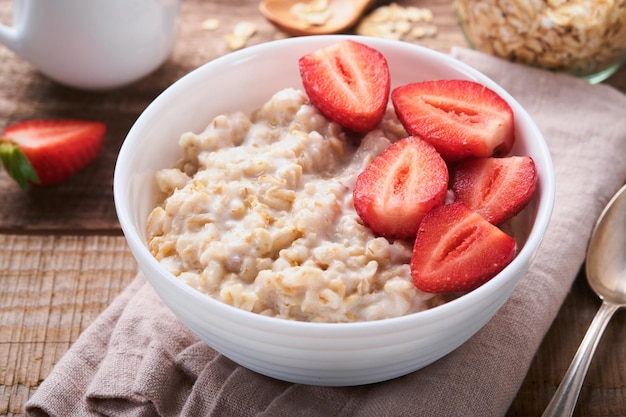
[456,249]
[349,83]
[459,118]
[48,152]
[402,184]
[496,188]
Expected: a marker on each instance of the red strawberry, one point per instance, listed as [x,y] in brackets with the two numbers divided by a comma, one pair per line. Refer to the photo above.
[456,249]
[349,83]
[49,151]
[459,118]
[399,187]
[496,188]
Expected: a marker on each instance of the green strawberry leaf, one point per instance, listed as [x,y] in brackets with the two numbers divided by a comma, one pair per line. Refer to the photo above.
[17,165]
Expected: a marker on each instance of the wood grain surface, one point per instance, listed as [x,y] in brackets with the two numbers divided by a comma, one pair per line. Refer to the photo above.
[63,258]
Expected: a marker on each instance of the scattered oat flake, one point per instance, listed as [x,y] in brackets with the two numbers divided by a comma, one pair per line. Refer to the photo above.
[280,35]
[394,21]
[419,32]
[244,29]
[235,42]
[402,27]
[417,14]
[211,24]
[240,35]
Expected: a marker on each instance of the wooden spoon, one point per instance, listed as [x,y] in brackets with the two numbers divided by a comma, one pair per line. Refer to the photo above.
[343,15]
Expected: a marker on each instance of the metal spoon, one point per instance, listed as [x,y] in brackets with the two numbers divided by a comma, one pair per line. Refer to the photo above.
[342,15]
[606,274]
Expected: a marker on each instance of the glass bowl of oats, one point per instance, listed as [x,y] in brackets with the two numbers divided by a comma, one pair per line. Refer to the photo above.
[585,38]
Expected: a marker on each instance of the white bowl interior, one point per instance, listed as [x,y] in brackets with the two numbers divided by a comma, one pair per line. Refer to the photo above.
[312,353]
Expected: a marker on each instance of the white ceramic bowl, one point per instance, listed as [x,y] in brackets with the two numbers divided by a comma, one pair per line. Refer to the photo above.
[332,354]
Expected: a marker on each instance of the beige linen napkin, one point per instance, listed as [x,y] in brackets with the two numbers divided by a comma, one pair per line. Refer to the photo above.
[136,359]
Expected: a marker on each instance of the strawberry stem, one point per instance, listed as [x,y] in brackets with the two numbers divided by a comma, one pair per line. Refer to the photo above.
[17,165]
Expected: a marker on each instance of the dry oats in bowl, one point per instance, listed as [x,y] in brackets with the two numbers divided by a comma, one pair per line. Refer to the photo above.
[586,38]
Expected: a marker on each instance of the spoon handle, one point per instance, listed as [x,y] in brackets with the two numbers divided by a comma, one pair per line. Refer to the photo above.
[566,396]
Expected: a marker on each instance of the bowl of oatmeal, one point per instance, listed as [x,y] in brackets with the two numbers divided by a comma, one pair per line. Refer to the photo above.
[235,196]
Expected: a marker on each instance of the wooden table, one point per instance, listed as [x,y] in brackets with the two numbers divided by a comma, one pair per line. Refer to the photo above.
[63,258]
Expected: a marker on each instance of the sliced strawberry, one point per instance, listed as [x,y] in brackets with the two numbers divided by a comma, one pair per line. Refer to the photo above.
[496,188]
[49,151]
[349,83]
[459,118]
[456,249]
[399,187]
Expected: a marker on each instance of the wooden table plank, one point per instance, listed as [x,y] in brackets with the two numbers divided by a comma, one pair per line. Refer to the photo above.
[53,287]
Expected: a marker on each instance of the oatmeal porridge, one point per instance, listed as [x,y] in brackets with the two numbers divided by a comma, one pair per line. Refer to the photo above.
[258,214]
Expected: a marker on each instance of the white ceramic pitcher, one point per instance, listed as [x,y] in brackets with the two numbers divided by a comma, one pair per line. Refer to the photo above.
[93,44]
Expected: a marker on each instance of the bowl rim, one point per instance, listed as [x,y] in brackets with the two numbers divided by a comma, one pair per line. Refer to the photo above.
[545,189]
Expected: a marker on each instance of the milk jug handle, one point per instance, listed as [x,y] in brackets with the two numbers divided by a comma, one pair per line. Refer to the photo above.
[9,37]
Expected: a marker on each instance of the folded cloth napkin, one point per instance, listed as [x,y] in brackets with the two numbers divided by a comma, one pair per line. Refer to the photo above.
[136,359]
